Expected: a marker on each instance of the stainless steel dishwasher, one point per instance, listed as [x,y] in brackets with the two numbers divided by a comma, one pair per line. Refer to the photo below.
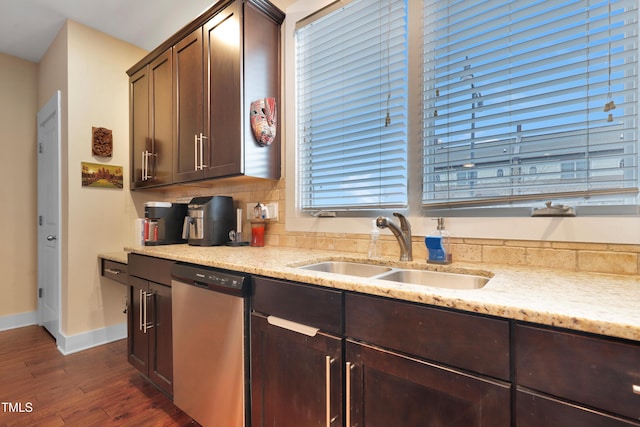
[210,344]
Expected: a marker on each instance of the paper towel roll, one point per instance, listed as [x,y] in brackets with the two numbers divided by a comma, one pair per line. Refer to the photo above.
[139,232]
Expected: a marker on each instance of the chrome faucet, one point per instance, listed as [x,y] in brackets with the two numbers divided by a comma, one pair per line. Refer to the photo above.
[402,233]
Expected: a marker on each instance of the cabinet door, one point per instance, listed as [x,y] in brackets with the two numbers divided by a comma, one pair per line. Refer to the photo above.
[161,125]
[387,389]
[139,125]
[296,378]
[189,104]
[223,47]
[138,340]
[160,338]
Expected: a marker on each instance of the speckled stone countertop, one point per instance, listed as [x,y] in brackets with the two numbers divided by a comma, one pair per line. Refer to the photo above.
[120,256]
[597,303]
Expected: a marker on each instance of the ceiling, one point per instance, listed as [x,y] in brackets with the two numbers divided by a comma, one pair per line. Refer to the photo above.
[27,27]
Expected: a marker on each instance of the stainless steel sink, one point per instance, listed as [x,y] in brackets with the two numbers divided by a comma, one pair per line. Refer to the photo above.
[436,279]
[347,268]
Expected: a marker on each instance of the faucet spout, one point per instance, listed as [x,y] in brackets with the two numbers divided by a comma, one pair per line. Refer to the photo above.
[402,234]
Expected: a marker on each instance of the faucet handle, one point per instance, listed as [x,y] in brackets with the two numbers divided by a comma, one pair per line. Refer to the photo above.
[404,223]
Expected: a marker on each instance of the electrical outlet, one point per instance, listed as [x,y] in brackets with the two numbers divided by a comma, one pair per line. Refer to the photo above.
[272,209]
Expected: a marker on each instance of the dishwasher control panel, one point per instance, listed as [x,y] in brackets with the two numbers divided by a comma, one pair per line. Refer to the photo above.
[212,278]
[220,279]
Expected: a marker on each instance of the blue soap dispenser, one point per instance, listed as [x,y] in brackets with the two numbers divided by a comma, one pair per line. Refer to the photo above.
[438,245]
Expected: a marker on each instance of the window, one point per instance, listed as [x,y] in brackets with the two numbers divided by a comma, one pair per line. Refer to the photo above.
[530,100]
[351,91]
[498,104]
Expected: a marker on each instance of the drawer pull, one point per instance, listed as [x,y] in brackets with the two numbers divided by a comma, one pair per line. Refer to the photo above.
[292,326]
[112,271]
[636,388]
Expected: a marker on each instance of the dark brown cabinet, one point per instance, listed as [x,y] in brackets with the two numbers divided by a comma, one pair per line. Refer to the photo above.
[296,355]
[150,345]
[384,388]
[563,376]
[221,62]
[189,95]
[114,270]
[414,365]
[392,368]
[297,379]
[151,123]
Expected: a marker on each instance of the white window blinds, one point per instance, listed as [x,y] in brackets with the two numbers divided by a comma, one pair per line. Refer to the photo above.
[352,99]
[530,100]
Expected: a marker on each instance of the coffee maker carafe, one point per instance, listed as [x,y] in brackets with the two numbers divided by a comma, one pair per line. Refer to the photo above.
[209,220]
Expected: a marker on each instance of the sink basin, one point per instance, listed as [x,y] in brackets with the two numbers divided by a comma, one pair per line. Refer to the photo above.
[348,268]
[436,279]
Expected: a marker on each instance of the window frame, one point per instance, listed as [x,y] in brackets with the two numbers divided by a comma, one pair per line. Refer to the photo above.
[487,223]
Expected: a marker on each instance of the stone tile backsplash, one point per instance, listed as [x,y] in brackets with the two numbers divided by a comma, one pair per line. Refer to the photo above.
[588,257]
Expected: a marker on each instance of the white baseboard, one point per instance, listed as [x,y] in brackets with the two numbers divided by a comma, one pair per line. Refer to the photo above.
[18,320]
[85,340]
[68,344]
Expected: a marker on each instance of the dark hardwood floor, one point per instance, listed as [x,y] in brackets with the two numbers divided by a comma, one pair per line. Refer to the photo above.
[96,387]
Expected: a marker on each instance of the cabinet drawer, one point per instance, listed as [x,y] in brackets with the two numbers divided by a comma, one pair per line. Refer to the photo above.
[533,410]
[467,341]
[312,306]
[596,372]
[114,270]
[154,269]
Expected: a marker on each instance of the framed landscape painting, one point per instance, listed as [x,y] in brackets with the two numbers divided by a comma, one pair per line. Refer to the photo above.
[100,175]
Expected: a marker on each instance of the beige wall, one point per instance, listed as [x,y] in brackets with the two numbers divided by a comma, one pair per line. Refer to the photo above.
[18,109]
[98,96]
[89,68]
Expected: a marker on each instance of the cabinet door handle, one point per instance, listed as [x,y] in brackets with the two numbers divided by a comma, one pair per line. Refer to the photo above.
[328,361]
[349,367]
[146,324]
[202,138]
[144,310]
[142,298]
[636,388]
[195,151]
[144,166]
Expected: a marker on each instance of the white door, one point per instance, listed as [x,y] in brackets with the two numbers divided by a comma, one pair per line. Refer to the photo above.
[49,258]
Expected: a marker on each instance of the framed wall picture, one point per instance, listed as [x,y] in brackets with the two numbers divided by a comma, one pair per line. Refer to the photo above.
[100,175]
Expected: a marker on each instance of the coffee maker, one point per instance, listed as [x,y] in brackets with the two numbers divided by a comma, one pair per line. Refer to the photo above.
[209,220]
[162,221]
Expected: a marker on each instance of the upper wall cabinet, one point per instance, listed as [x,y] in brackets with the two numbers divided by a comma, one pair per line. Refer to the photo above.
[151,116]
[222,62]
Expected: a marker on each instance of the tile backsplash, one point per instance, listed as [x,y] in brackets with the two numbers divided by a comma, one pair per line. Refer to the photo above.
[588,257]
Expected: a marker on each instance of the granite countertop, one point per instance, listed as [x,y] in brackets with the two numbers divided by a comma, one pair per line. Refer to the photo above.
[120,256]
[598,303]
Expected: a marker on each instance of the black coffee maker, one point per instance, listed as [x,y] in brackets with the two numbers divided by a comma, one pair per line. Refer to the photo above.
[209,220]
[163,223]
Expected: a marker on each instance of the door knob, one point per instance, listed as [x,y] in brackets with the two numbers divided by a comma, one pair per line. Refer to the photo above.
[51,237]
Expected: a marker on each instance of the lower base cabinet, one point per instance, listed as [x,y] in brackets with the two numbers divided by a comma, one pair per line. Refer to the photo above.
[387,389]
[297,379]
[296,355]
[150,342]
[306,371]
